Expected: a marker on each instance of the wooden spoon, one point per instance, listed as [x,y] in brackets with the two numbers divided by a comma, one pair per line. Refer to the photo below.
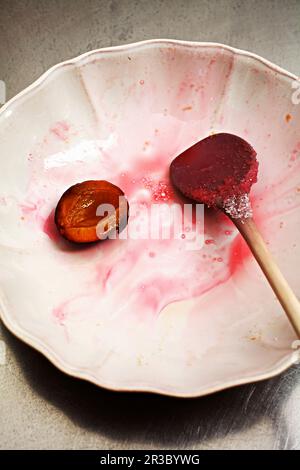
[219,172]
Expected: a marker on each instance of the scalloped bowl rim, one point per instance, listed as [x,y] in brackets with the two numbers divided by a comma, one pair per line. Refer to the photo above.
[24,336]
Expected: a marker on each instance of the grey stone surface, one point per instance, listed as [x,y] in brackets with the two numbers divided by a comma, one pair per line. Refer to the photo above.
[41,408]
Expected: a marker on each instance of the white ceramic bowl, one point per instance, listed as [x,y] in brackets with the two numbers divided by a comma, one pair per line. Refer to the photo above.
[147,315]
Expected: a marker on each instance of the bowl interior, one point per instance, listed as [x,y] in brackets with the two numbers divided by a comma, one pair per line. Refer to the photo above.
[143,313]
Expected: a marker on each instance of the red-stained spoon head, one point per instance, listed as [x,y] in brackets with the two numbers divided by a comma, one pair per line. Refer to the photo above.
[219,172]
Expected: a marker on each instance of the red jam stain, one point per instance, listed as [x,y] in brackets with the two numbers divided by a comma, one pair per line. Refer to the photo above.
[61,130]
[288,117]
[64,246]
[59,313]
[147,274]
[76,215]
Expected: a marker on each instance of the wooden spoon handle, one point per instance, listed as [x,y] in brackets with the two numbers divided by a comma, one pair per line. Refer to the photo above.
[283,291]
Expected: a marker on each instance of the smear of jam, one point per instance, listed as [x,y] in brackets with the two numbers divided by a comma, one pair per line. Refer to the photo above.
[49,227]
[76,212]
